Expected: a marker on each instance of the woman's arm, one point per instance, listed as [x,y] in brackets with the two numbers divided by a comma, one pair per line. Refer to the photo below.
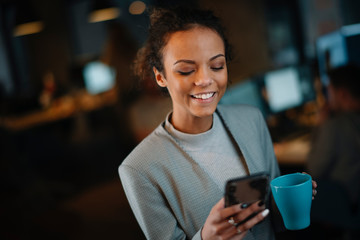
[150,207]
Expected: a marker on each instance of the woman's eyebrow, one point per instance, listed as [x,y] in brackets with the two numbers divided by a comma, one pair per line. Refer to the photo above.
[193,62]
[219,55]
[185,61]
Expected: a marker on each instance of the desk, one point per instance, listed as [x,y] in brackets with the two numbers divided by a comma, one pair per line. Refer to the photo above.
[293,152]
[61,108]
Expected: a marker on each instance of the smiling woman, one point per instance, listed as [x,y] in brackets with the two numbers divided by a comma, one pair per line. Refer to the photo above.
[195,75]
[175,178]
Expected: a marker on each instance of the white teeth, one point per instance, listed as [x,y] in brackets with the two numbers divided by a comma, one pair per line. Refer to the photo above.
[204,96]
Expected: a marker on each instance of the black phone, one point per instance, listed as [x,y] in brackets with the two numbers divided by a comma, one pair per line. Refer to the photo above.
[247,189]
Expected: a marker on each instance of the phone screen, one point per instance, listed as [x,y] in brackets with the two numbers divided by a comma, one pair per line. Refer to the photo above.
[247,189]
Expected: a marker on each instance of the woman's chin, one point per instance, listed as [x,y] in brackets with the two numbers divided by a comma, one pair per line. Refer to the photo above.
[205,111]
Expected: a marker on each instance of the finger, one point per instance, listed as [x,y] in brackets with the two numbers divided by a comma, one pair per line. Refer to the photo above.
[314,184]
[240,234]
[220,204]
[221,228]
[224,228]
[247,212]
[314,192]
[233,233]
[253,221]
[221,214]
[230,211]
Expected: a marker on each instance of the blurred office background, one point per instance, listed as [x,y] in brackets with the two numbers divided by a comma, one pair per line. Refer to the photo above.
[70,110]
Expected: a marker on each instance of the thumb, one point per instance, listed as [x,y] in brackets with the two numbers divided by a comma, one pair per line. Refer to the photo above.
[220,204]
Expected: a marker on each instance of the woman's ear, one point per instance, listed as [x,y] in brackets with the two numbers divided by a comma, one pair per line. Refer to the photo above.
[160,79]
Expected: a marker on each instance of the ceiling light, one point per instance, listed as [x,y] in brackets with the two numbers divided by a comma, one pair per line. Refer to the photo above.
[26,22]
[137,7]
[102,11]
[28,28]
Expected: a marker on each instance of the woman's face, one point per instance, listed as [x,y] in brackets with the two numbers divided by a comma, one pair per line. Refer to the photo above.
[195,73]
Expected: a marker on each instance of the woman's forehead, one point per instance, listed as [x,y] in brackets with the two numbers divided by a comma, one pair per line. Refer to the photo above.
[193,29]
[194,40]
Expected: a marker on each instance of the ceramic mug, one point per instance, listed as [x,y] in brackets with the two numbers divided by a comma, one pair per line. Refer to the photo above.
[293,196]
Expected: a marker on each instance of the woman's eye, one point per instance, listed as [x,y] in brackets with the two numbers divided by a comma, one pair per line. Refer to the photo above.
[185,73]
[217,68]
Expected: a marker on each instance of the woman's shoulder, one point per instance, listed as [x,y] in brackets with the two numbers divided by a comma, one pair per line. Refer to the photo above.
[238,107]
[239,111]
[150,150]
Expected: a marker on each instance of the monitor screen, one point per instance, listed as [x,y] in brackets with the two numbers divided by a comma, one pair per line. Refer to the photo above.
[245,92]
[98,77]
[283,89]
[331,53]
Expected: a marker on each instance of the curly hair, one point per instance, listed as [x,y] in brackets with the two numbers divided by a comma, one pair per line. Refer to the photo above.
[164,22]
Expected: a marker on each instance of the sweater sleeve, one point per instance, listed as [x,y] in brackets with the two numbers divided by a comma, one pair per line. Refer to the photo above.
[150,207]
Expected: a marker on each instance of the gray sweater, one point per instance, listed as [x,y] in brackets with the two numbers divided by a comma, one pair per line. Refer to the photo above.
[171,195]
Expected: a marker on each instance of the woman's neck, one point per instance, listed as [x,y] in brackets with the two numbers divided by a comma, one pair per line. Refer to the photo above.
[192,125]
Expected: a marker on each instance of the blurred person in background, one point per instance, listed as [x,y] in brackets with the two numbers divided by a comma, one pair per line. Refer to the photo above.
[334,157]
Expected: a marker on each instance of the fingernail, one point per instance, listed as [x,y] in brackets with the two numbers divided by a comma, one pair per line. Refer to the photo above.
[244,205]
[265,212]
[261,203]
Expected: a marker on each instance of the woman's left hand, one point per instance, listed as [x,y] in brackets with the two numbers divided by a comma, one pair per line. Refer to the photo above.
[314,186]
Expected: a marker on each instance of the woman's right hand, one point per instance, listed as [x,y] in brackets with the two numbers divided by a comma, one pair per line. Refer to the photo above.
[217,225]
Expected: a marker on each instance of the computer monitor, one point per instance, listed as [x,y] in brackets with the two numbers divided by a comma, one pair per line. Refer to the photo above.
[98,77]
[338,48]
[245,92]
[288,88]
[283,89]
[331,52]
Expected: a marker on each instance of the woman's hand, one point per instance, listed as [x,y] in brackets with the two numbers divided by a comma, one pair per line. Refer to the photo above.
[226,223]
[314,186]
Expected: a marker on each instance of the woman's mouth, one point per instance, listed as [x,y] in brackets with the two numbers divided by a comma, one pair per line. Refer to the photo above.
[203,96]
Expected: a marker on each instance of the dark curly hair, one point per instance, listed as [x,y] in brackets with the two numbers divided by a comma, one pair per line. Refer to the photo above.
[164,22]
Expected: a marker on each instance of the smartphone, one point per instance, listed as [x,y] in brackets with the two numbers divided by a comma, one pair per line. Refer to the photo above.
[247,189]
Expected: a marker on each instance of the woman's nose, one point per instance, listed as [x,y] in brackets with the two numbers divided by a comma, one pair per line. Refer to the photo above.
[203,78]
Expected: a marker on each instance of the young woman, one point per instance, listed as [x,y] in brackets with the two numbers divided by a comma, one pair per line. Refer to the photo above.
[175,178]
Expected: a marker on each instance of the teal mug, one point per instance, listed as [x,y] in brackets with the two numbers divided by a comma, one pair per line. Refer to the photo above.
[293,196]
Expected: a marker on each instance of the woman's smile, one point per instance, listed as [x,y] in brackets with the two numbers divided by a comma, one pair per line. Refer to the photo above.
[204,96]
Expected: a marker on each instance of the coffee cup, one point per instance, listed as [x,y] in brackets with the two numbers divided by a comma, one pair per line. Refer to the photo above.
[293,196]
